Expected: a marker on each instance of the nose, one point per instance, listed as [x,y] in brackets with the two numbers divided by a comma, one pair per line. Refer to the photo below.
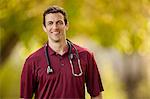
[54,26]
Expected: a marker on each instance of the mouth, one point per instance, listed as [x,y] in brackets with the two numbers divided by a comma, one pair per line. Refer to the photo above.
[56,33]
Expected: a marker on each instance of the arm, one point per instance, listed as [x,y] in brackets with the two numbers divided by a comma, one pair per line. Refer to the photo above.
[98,97]
[27,82]
[93,79]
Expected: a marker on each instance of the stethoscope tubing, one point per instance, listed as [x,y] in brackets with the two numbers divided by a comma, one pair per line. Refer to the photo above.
[49,68]
[70,56]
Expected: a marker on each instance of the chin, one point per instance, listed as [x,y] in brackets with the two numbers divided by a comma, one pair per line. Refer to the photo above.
[56,40]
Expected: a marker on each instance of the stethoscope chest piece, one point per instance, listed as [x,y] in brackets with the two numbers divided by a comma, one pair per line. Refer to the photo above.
[49,70]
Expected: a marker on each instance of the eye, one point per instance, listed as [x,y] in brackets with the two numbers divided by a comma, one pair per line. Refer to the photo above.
[59,22]
[50,23]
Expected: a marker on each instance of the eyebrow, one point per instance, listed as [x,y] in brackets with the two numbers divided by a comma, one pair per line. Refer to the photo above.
[53,21]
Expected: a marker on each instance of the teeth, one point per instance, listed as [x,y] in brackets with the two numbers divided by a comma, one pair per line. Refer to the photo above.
[55,32]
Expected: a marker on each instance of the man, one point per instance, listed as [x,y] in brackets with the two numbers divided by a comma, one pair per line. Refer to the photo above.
[60,68]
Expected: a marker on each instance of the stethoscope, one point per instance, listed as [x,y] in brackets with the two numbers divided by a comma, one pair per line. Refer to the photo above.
[70,56]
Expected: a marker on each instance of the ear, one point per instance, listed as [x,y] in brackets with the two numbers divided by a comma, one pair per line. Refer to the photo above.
[67,26]
[44,28]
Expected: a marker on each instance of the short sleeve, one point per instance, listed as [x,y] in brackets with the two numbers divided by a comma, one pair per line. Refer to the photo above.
[93,80]
[27,83]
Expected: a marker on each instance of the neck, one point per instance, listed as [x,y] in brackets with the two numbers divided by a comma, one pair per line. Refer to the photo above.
[58,47]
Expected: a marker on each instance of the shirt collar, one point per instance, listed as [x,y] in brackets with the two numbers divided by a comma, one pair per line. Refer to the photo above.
[52,52]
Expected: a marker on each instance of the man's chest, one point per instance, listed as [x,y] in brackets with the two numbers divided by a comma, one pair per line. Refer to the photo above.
[61,68]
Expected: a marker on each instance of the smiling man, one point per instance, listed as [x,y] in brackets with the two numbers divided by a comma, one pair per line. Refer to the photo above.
[60,69]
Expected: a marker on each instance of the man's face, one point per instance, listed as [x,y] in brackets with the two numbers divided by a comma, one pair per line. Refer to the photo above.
[55,27]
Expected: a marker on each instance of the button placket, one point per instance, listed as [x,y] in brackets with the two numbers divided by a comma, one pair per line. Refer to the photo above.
[61,61]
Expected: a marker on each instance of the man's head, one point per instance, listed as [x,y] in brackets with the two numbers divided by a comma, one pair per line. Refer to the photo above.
[55,9]
[55,24]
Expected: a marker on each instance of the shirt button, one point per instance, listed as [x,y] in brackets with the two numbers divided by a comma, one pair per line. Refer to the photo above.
[60,58]
[62,64]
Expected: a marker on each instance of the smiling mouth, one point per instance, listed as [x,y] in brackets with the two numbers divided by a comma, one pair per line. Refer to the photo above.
[55,33]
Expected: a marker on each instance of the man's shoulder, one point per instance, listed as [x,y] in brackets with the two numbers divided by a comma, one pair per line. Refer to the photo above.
[81,49]
[36,54]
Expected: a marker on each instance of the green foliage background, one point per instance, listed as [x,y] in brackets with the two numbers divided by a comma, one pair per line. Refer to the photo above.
[120,24]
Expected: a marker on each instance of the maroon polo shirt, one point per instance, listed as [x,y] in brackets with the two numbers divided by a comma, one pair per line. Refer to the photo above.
[61,83]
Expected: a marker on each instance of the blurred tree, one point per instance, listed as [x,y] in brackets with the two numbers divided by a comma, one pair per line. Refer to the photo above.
[18,21]
[107,22]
